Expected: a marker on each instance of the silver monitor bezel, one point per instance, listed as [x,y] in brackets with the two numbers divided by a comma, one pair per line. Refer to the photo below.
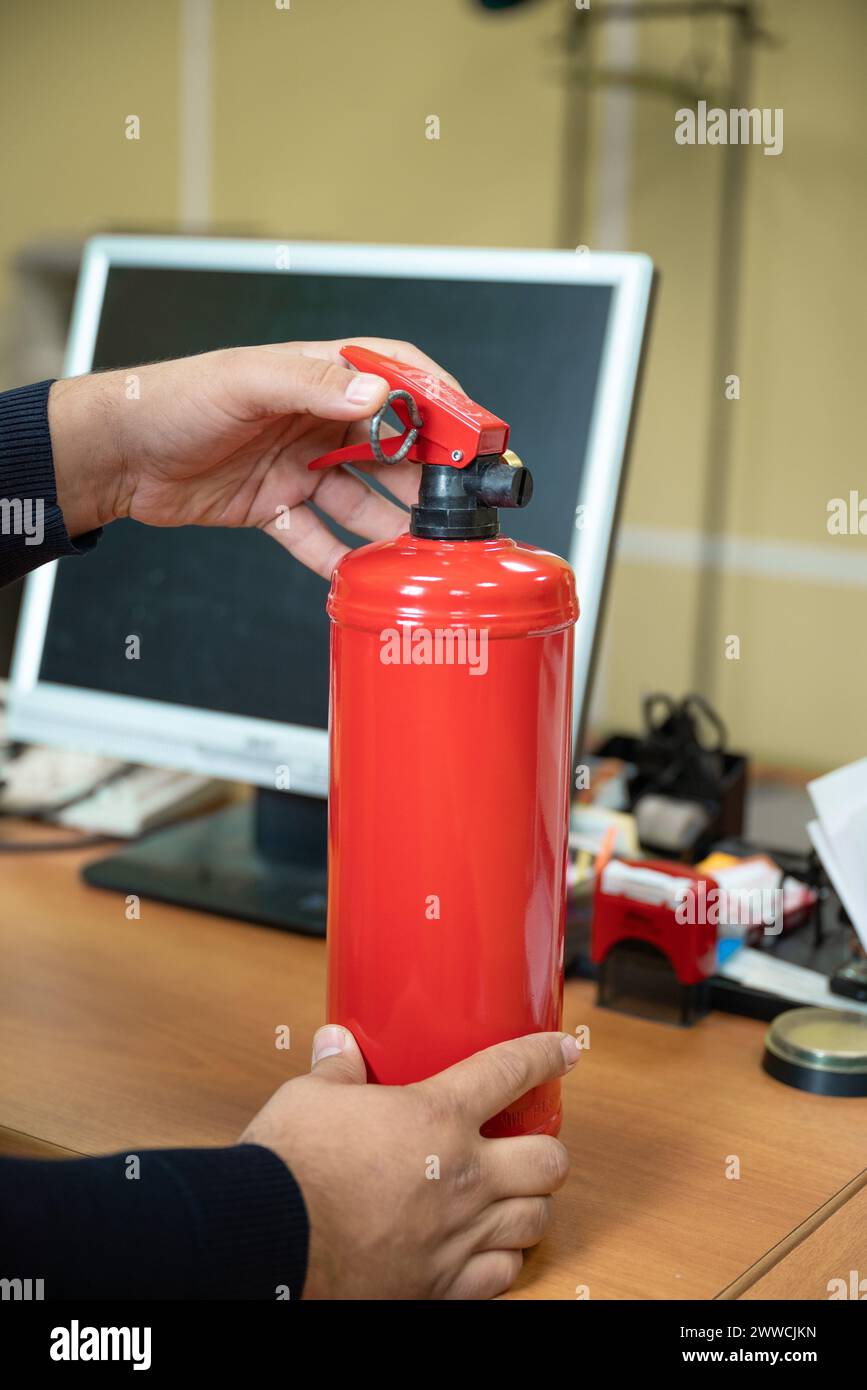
[248,749]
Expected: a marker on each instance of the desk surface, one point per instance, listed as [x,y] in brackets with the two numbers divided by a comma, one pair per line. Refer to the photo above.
[118,1034]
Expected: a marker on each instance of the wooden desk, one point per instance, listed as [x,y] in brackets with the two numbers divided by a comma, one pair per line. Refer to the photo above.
[117,1034]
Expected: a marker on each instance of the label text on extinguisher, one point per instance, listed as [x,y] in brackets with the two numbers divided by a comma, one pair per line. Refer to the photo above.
[438,646]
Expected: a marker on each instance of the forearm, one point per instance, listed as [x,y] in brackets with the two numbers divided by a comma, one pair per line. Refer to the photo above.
[175,1224]
[86,448]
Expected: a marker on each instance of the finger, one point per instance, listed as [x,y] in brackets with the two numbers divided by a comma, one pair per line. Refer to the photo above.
[352,503]
[388,347]
[401,479]
[307,538]
[487,1275]
[486,1083]
[265,382]
[517,1223]
[337,1057]
[532,1165]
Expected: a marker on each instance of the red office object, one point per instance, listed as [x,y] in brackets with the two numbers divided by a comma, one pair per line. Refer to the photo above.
[689,943]
[451,687]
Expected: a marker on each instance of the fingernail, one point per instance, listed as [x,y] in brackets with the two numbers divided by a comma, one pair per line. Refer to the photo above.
[329,1041]
[570,1049]
[364,389]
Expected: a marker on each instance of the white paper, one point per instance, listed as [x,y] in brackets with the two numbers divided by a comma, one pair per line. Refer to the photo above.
[762,971]
[839,835]
[644,885]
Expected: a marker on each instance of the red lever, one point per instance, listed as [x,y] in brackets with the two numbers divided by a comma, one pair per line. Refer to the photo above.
[454,430]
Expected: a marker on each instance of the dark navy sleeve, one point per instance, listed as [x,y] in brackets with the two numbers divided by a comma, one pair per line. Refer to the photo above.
[158,1224]
[176,1223]
[32,529]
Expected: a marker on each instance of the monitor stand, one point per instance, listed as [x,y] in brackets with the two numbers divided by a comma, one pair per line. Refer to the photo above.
[262,860]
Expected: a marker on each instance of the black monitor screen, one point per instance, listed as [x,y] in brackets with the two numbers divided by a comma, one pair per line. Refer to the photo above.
[227,620]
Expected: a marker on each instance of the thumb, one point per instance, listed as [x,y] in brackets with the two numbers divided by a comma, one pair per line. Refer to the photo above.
[484,1084]
[337,1056]
[269,382]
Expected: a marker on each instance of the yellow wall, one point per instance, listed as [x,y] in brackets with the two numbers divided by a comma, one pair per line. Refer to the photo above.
[69,75]
[319,131]
[320,126]
[797,694]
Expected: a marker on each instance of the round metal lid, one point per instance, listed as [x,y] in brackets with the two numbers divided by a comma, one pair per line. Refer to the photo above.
[819,1050]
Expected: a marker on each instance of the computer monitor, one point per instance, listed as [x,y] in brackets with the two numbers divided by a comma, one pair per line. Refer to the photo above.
[232,676]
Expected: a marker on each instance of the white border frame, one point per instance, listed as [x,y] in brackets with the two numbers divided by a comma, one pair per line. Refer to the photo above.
[237,747]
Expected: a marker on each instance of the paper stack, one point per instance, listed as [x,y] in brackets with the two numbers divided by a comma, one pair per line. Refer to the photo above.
[839,836]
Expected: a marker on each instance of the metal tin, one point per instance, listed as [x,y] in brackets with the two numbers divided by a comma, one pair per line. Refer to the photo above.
[819,1050]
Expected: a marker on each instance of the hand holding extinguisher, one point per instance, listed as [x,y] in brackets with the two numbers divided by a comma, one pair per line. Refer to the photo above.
[451,695]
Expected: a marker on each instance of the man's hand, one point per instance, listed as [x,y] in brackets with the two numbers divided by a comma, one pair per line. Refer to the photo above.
[381,1224]
[224,439]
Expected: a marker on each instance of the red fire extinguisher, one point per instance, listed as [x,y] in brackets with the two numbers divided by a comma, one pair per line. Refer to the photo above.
[451,689]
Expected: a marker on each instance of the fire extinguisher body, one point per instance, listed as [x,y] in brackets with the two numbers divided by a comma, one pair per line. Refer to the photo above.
[451,685]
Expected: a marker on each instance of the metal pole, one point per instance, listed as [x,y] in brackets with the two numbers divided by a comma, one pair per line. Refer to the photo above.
[717,480]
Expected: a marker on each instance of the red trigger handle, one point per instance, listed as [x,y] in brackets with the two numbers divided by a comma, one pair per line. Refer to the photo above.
[451,429]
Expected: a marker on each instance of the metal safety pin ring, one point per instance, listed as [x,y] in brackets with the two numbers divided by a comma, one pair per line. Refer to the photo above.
[408,439]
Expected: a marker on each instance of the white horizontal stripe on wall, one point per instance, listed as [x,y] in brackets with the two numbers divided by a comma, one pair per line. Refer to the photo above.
[831,562]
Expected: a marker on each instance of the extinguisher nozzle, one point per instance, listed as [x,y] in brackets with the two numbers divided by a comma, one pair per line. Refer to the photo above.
[500,484]
[462,504]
